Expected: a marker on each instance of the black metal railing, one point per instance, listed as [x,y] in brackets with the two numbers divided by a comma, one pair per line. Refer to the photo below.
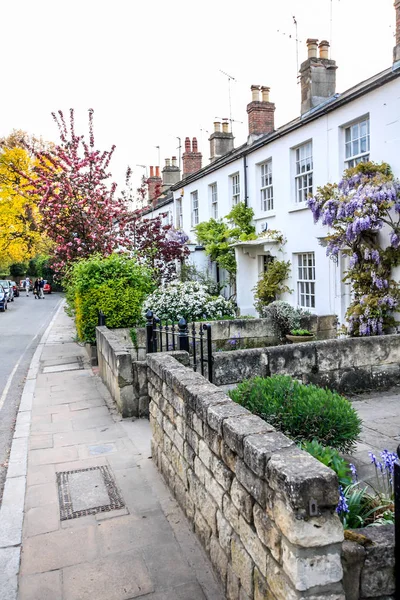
[396,487]
[177,336]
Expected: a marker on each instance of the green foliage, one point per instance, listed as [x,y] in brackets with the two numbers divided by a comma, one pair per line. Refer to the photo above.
[330,458]
[18,269]
[133,334]
[284,316]
[365,509]
[271,284]
[217,236]
[303,412]
[116,285]
[301,332]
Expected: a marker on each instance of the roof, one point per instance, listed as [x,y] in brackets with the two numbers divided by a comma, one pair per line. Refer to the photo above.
[329,105]
[260,241]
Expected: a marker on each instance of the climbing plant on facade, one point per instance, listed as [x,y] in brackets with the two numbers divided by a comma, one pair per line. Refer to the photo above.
[363,216]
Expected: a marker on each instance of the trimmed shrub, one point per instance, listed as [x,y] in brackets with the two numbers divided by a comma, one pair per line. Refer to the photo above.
[116,285]
[302,412]
[285,317]
[189,300]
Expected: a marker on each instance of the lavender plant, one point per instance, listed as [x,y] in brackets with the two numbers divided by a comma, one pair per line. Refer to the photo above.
[366,200]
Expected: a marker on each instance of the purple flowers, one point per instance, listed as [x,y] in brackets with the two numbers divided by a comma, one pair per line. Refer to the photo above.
[342,506]
[384,470]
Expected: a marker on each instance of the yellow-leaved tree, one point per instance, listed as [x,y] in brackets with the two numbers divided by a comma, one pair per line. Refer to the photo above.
[20,236]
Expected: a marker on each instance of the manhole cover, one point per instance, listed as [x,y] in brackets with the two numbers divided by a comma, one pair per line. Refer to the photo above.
[87,492]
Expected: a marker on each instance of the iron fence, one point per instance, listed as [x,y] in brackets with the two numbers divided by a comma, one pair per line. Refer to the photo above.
[195,340]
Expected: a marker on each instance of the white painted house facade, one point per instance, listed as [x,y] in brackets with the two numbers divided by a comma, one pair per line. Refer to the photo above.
[277,169]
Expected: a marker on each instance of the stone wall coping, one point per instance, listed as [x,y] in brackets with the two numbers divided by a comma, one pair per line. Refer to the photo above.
[263,452]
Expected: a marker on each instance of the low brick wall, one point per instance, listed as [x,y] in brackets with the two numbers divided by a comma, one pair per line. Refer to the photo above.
[369,565]
[125,379]
[263,509]
[348,365]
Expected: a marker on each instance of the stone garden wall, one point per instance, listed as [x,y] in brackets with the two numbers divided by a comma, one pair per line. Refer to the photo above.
[263,510]
[368,564]
[126,379]
[348,365]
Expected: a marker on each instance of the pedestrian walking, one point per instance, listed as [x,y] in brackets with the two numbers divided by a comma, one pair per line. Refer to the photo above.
[41,286]
[36,289]
[27,285]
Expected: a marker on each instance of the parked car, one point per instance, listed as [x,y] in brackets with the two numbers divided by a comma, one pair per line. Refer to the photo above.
[15,288]
[8,289]
[3,299]
[22,285]
[46,287]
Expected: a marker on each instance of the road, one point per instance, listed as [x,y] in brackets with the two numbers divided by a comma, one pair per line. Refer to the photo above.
[21,328]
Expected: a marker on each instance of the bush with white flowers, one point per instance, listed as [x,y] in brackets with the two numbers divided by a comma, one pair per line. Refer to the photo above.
[189,300]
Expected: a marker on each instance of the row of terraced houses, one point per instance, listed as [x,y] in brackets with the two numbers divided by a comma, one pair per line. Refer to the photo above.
[275,171]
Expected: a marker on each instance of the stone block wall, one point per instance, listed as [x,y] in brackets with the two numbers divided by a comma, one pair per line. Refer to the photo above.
[348,365]
[368,564]
[263,510]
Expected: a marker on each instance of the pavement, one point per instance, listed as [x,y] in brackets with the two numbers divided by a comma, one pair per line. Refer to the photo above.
[21,328]
[85,514]
[380,414]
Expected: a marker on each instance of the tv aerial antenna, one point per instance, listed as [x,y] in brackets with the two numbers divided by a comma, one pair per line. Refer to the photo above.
[230,78]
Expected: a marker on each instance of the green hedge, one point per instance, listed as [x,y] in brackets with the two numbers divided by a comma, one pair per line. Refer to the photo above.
[302,412]
[116,285]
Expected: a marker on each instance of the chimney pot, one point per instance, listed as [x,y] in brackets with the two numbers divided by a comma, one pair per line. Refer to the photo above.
[174,161]
[167,162]
[157,171]
[217,126]
[194,145]
[255,93]
[312,46]
[187,145]
[225,126]
[151,171]
[265,93]
[324,49]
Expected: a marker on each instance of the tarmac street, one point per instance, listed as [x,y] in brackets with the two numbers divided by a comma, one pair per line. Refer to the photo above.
[21,328]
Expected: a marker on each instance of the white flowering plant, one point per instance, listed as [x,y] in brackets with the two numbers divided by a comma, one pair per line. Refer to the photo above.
[188,300]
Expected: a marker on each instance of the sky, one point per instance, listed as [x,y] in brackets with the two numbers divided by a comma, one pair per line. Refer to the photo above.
[153,71]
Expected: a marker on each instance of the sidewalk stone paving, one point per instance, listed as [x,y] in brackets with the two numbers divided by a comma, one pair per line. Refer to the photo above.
[144,547]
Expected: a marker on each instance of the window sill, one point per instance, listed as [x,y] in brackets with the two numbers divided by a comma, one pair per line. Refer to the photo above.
[268,213]
[296,208]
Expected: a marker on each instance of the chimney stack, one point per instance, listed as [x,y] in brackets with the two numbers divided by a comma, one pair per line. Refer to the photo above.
[318,75]
[221,142]
[261,113]
[170,174]
[396,49]
[191,158]
[154,184]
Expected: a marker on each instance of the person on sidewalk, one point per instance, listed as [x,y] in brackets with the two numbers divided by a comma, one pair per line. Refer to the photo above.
[36,288]
[41,286]
[27,285]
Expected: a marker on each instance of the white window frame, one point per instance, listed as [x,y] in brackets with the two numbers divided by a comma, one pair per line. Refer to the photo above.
[194,201]
[235,180]
[179,214]
[214,200]
[303,155]
[305,269]
[266,189]
[356,135]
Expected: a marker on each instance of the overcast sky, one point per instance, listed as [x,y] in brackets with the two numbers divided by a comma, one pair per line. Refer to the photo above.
[152,70]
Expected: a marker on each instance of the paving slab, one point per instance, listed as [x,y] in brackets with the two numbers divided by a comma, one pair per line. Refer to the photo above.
[143,549]
[9,564]
[41,586]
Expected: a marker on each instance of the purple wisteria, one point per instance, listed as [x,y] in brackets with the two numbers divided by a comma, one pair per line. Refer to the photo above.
[365,202]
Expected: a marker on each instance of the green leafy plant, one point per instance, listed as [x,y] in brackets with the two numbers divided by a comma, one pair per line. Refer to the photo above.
[301,332]
[271,284]
[116,285]
[133,335]
[284,316]
[217,236]
[303,412]
[331,458]
[360,508]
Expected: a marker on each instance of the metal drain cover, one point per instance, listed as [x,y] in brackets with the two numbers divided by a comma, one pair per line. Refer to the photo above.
[87,492]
